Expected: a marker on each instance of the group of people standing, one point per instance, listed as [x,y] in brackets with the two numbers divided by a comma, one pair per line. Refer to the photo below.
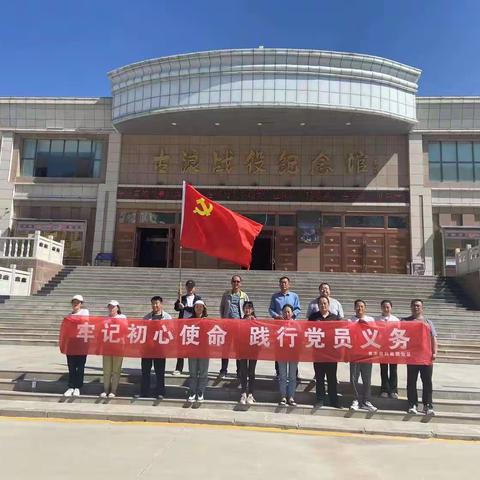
[284,305]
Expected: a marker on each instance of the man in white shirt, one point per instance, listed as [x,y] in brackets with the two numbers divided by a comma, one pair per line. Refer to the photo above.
[361,397]
[76,363]
[389,380]
[335,306]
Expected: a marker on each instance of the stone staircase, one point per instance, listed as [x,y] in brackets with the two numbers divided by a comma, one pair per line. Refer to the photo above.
[35,320]
[39,393]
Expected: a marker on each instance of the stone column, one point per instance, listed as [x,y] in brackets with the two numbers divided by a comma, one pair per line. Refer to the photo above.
[7,186]
[107,199]
[421,215]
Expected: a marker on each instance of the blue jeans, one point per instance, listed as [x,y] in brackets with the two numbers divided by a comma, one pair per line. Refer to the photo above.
[287,378]
[198,369]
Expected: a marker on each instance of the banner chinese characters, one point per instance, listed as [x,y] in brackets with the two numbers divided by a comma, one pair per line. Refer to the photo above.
[337,341]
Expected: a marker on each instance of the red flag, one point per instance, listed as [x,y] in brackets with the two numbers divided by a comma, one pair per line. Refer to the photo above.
[215,230]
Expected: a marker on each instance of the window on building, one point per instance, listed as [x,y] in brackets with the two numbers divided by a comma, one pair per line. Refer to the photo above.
[331,221]
[367,221]
[61,158]
[156,218]
[454,161]
[287,220]
[395,221]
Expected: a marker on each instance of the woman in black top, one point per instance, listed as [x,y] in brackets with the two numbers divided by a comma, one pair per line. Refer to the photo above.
[325,368]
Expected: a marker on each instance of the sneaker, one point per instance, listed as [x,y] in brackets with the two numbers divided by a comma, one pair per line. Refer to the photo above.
[384,395]
[283,402]
[413,410]
[292,402]
[191,397]
[103,395]
[370,407]
[200,398]
[243,399]
[111,395]
[159,397]
[68,392]
[250,399]
[394,395]
[428,410]
[222,374]
[76,392]
[176,372]
[355,406]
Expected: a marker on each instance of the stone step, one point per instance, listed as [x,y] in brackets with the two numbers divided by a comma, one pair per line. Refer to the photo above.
[213,405]
[263,382]
[226,390]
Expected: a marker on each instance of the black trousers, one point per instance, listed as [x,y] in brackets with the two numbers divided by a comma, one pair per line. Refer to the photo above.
[426,372]
[224,367]
[159,367]
[389,382]
[247,375]
[180,364]
[329,370]
[76,370]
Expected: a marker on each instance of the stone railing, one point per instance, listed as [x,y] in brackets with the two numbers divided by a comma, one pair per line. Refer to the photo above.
[15,282]
[33,247]
[468,260]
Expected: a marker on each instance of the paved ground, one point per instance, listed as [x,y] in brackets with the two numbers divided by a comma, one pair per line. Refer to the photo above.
[38,358]
[84,449]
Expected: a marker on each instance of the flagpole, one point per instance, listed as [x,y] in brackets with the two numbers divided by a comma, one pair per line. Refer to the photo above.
[181,248]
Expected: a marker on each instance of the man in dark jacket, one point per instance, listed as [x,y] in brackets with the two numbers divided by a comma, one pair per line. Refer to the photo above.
[184,307]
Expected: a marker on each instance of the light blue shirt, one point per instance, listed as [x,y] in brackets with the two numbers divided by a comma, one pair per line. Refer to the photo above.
[279,300]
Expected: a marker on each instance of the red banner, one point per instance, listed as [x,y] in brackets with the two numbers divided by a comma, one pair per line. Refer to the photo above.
[337,341]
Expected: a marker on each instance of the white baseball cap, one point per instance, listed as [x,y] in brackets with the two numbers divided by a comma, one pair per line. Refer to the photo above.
[113,303]
[199,302]
[77,297]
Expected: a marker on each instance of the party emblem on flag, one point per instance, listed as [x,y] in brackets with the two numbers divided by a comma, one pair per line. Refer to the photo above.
[205,211]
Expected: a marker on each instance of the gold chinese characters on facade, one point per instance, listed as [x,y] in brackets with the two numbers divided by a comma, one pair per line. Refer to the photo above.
[321,165]
[288,163]
[162,162]
[190,162]
[255,162]
[356,162]
[223,161]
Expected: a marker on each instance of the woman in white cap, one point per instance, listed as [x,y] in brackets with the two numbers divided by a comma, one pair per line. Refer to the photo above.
[76,363]
[112,366]
[198,367]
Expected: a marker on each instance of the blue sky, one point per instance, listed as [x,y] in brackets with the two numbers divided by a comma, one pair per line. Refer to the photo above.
[66,47]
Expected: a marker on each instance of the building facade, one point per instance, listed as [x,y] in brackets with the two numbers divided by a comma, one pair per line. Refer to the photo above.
[346,167]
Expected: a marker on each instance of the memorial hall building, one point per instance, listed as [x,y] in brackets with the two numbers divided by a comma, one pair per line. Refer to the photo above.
[347,168]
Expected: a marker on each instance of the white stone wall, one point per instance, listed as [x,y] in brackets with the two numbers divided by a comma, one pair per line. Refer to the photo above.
[74,114]
[421,217]
[6,185]
[448,114]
